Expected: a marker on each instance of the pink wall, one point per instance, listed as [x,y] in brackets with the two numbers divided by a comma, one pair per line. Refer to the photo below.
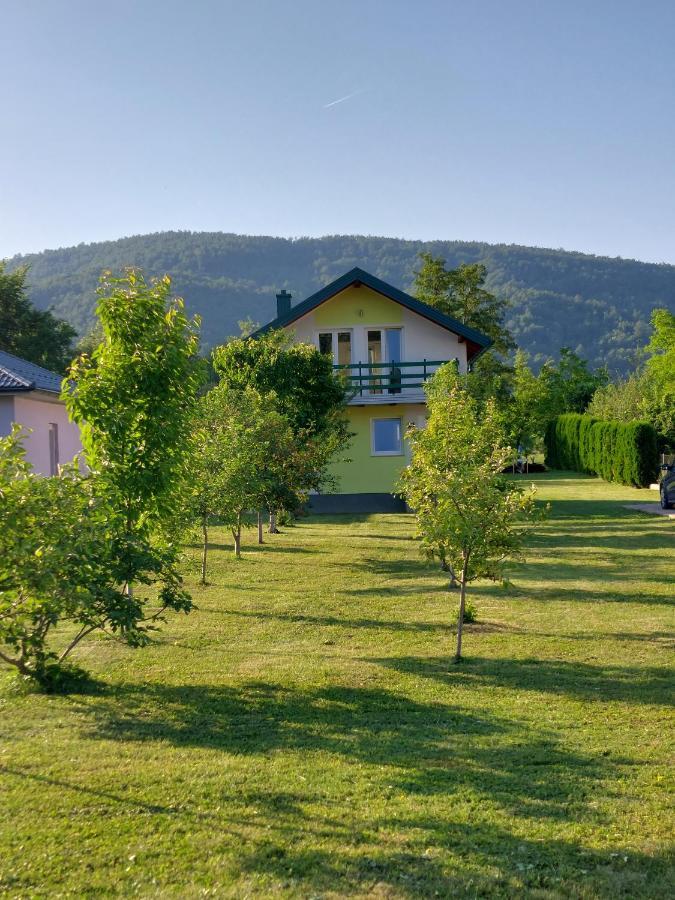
[37,410]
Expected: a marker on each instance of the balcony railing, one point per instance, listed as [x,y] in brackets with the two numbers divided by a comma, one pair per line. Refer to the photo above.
[388,379]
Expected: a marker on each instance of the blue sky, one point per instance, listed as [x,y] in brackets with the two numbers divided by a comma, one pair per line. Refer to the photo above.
[549,123]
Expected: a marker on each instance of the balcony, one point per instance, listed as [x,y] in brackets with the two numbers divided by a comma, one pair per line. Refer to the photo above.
[400,382]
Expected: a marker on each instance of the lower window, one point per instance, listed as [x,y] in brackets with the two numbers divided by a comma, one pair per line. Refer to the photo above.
[386,437]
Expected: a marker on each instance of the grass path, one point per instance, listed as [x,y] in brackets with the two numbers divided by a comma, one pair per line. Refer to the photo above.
[303,734]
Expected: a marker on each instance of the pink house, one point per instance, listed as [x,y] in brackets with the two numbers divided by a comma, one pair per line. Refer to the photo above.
[31,396]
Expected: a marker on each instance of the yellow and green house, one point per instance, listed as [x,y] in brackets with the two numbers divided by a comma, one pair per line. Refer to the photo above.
[387,343]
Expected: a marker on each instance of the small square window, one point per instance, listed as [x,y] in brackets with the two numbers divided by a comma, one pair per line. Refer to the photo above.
[386,437]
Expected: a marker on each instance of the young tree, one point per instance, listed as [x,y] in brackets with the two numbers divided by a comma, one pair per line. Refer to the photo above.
[528,410]
[461,293]
[33,334]
[245,459]
[467,512]
[134,400]
[306,392]
[60,565]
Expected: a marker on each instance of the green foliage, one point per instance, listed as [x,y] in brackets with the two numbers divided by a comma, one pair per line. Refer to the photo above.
[32,334]
[246,458]
[63,561]
[647,394]
[571,384]
[467,513]
[470,613]
[624,452]
[305,391]
[599,307]
[134,397]
[461,293]
[527,410]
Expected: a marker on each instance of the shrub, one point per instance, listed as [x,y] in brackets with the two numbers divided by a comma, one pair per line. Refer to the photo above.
[624,452]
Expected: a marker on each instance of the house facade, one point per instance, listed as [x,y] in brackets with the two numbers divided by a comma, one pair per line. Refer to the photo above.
[30,396]
[387,344]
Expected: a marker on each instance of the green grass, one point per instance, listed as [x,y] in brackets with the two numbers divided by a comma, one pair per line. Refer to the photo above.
[304,733]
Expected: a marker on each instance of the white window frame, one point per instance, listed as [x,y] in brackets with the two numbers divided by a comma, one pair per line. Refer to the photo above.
[335,332]
[373,451]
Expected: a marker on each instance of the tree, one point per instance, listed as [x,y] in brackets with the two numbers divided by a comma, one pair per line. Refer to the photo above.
[306,392]
[60,565]
[32,334]
[660,368]
[134,400]
[461,293]
[244,460]
[528,410]
[466,510]
[649,392]
[571,383]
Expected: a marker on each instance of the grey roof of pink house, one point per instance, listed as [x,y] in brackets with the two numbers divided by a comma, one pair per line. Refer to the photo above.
[18,374]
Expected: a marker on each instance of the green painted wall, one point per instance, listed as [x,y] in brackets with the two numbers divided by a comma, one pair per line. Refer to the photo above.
[358,306]
[365,473]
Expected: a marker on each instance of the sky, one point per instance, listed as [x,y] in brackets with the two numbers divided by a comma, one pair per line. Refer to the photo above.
[547,123]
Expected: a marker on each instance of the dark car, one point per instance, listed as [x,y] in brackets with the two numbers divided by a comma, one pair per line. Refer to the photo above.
[667,485]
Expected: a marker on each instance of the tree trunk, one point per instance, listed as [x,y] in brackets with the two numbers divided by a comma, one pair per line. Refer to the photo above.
[462,603]
[236,534]
[273,523]
[205,536]
[260,527]
[446,567]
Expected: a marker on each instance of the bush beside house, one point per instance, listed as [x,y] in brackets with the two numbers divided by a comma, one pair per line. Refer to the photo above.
[625,452]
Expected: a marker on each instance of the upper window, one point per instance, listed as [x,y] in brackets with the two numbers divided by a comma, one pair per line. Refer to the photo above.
[387,438]
[337,344]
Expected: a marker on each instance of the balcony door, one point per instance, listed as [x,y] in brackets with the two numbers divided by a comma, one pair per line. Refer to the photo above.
[337,345]
[384,352]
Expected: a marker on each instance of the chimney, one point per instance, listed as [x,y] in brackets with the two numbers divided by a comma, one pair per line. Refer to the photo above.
[283,303]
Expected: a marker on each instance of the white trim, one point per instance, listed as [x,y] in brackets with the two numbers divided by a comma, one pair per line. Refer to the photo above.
[373,451]
[336,331]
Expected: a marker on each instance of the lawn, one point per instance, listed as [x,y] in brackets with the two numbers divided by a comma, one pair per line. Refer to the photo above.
[304,733]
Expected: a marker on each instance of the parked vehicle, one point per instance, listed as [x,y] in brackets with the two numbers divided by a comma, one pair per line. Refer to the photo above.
[667,485]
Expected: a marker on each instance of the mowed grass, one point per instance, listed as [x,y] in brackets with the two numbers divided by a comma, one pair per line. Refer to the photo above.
[305,734]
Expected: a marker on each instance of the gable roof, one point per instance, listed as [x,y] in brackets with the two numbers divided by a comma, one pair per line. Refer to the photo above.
[476,340]
[18,374]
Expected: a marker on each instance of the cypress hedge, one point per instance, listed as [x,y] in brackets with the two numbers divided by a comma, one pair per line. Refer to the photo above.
[625,452]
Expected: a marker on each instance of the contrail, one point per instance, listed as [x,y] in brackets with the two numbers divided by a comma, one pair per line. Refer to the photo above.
[342,99]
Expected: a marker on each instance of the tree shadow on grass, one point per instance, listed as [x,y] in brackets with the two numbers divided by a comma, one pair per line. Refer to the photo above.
[448,859]
[424,763]
[345,621]
[649,684]
[434,747]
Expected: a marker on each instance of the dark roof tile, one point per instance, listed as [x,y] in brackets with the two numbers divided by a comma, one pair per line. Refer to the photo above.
[18,374]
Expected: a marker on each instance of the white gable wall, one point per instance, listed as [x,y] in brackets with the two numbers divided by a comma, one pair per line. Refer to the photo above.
[422,339]
[36,410]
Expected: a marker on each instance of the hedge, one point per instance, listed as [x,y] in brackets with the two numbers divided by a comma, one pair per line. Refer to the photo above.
[626,452]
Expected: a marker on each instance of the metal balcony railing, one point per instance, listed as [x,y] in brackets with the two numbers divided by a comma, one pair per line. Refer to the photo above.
[373,379]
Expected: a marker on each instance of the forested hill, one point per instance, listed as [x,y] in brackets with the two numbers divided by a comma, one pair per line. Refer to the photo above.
[598,306]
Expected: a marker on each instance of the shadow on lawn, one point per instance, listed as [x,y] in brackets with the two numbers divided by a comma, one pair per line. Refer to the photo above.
[436,748]
[344,622]
[649,684]
[447,859]
[441,783]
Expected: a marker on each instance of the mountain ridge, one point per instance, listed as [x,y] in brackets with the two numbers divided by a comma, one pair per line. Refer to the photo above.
[597,305]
